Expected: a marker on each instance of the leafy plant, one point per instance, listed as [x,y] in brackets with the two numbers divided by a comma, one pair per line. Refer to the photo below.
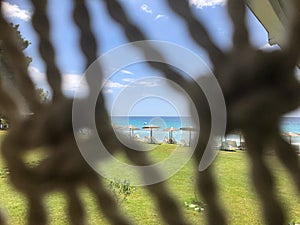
[121,189]
[195,205]
[3,122]
[4,172]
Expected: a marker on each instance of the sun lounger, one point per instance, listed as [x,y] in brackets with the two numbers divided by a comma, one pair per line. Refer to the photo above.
[229,146]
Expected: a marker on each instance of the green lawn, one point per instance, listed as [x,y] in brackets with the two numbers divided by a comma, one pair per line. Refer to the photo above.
[236,193]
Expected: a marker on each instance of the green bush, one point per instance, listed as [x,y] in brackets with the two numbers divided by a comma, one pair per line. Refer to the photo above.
[3,123]
[121,189]
[195,205]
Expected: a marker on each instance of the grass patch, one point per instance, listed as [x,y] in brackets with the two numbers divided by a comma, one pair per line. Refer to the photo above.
[231,171]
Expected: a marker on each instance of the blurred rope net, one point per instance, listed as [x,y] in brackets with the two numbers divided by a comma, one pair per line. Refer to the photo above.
[258,87]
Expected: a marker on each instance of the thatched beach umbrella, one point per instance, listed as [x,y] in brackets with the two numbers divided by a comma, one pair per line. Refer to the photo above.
[151,127]
[290,135]
[189,129]
[131,129]
[170,130]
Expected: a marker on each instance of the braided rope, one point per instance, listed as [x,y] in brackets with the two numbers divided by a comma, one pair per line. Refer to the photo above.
[264,182]
[47,176]
[87,40]
[41,24]
[256,85]
[197,30]
[133,33]
[237,12]
[89,48]
[292,45]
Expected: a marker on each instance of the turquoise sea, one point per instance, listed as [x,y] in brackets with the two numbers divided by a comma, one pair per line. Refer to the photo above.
[288,124]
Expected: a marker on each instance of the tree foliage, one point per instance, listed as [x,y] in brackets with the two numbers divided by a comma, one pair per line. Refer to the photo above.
[43,95]
[5,69]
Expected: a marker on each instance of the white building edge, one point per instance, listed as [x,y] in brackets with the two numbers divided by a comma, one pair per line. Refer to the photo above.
[273,15]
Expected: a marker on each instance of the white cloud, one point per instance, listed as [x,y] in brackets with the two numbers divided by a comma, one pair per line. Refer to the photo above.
[108,91]
[14,11]
[145,8]
[70,82]
[111,84]
[207,3]
[159,16]
[266,46]
[128,80]
[127,72]
[37,77]
[74,83]
[147,83]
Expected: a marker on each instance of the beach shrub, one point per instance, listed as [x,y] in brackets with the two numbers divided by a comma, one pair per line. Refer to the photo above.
[3,123]
[121,189]
[4,172]
[194,204]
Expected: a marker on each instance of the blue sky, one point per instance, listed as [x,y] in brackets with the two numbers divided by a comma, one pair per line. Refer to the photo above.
[144,94]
